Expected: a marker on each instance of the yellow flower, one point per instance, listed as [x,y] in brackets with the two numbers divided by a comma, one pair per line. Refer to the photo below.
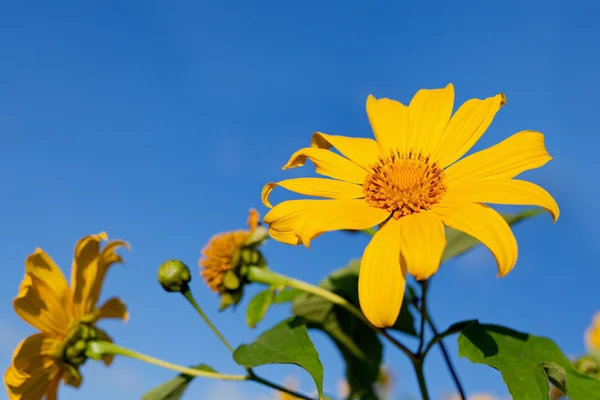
[409,182]
[65,316]
[222,253]
[592,334]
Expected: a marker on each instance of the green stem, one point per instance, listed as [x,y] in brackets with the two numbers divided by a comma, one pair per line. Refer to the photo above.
[275,386]
[187,293]
[423,310]
[268,277]
[421,378]
[97,349]
[451,368]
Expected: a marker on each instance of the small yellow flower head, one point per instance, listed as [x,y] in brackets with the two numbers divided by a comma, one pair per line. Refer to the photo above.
[174,276]
[412,180]
[65,317]
[592,334]
[226,256]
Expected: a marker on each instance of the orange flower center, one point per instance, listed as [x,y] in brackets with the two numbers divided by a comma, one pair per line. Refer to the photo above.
[219,256]
[403,184]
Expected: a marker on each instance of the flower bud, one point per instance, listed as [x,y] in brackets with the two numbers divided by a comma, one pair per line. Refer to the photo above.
[174,276]
[587,365]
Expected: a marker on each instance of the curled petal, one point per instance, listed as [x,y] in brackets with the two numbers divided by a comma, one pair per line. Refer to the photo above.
[89,269]
[329,164]
[362,151]
[317,187]
[382,277]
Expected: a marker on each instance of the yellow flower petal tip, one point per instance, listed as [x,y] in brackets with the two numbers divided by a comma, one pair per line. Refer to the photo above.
[103,236]
[38,251]
[502,99]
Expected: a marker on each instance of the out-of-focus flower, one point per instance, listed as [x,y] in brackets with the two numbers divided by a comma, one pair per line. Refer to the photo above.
[226,257]
[477,396]
[65,316]
[592,334]
[411,183]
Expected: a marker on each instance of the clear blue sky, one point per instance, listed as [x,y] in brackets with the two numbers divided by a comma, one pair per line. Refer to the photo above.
[159,122]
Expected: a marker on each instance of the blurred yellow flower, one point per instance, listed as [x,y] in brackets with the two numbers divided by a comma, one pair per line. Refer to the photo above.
[222,253]
[409,182]
[592,334]
[65,316]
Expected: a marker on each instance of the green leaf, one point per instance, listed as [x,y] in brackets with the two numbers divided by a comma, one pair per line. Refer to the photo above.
[286,296]
[357,342]
[526,362]
[458,243]
[174,389]
[258,306]
[285,343]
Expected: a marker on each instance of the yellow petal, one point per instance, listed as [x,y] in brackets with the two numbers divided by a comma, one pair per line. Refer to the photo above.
[309,218]
[485,225]
[40,306]
[52,389]
[382,277]
[318,187]
[505,191]
[389,121]
[287,237]
[467,125]
[329,164]
[592,334]
[362,151]
[422,243]
[114,308]
[428,114]
[520,152]
[89,268]
[33,368]
[41,265]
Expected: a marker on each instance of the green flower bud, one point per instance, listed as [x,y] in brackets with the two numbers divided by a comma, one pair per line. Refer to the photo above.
[174,276]
[231,280]
[587,365]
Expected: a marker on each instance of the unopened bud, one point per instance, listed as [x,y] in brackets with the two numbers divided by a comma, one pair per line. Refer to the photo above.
[174,276]
[587,365]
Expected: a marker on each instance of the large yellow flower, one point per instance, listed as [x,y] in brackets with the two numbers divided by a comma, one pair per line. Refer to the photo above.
[409,182]
[66,317]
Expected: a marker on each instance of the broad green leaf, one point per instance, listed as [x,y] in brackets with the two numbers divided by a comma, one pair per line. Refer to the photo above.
[174,389]
[286,295]
[526,362]
[358,343]
[285,343]
[258,306]
[458,243]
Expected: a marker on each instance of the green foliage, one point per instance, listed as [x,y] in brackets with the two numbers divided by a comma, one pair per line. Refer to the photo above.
[258,306]
[174,389]
[358,343]
[526,362]
[285,343]
[458,242]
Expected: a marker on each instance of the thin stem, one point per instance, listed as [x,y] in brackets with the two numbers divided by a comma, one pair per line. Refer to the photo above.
[99,348]
[423,309]
[449,363]
[187,293]
[421,378]
[269,277]
[258,379]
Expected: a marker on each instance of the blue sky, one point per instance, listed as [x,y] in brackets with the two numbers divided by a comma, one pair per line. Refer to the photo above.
[159,122]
